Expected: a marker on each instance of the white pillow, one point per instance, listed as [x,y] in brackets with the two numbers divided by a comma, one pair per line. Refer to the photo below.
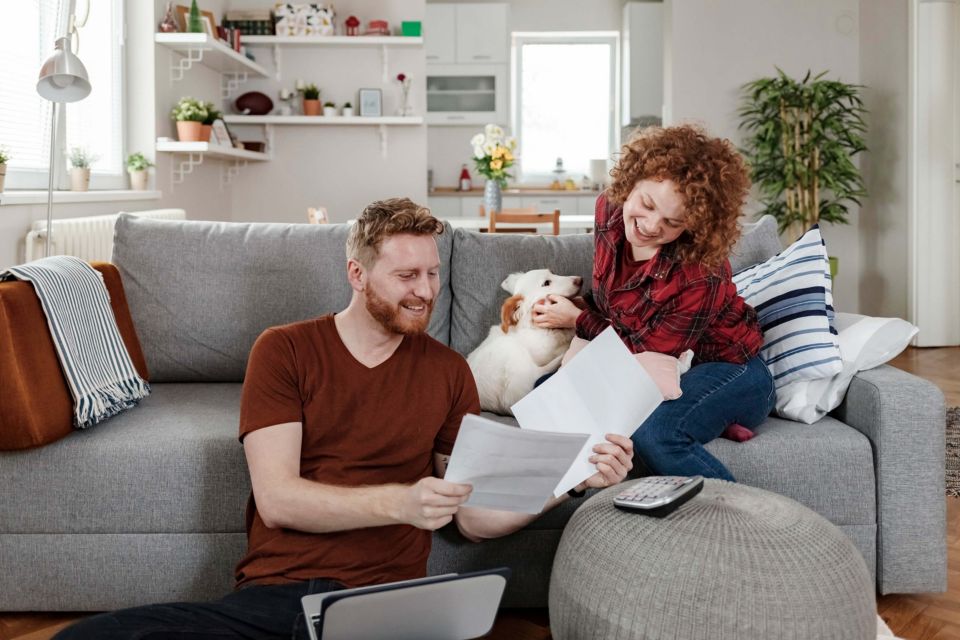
[792,295]
[865,343]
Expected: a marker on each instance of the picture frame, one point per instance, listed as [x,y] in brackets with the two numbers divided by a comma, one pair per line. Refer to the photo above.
[371,103]
[206,17]
[220,134]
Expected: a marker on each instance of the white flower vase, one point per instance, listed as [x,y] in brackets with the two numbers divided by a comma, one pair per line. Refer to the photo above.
[138,180]
[492,197]
[79,178]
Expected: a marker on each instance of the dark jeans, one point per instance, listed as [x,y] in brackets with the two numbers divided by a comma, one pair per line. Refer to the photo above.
[270,611]
[715,395]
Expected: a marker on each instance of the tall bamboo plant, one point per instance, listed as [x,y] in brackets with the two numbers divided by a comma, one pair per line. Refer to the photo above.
[802,137]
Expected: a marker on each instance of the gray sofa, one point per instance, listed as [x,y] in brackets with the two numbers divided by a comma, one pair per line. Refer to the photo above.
[148,506]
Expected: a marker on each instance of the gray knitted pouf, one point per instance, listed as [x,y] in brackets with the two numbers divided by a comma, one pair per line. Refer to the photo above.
[733,563]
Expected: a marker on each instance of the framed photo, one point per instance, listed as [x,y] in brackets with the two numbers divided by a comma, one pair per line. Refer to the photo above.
[206,17]
[209,23]
[371,102]
[221,135]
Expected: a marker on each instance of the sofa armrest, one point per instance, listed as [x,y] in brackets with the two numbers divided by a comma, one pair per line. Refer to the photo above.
[904,418]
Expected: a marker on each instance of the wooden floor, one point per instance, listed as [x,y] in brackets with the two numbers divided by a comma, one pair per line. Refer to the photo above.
[914,617]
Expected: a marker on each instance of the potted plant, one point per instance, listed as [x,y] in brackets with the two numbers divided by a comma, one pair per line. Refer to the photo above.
[347,109]
[329,109]
[311,100]
[4,158]
[802,138]
[80,161]
[189,115]
[137,166]
[212,115]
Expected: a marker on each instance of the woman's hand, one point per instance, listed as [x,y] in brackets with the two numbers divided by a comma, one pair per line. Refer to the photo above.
[555,312]
[613,459]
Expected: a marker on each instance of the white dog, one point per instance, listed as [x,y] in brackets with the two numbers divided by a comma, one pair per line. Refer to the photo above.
[516,353]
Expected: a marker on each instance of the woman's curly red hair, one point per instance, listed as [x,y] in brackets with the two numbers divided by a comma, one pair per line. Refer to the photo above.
[710,175]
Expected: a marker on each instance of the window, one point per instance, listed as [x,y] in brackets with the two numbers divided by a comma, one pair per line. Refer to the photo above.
[564,100]
[27,34]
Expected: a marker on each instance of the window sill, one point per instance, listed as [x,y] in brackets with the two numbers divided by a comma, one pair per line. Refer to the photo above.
[14,197]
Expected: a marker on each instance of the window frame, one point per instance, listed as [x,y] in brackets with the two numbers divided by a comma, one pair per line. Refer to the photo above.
[521,38]
[38,179]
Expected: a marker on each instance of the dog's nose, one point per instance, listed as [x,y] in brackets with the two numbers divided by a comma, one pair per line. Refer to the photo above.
[577,280]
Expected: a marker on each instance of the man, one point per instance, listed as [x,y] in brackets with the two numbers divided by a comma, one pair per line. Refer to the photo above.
[347,422]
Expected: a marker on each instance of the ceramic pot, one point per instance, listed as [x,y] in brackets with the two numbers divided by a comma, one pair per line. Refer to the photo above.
[347,112]
[3,175]
[311,107]
[189,131]
[329,111]
[138,180]
[205,131]
[492,196]
[79,178]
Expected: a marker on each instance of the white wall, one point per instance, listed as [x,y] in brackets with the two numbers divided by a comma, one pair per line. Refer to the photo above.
[883,218]
[716,47]
[449,147]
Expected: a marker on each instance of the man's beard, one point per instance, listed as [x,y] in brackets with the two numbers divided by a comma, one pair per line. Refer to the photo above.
[391,316]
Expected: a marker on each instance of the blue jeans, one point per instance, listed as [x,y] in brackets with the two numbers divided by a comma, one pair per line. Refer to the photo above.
[715,395]
[268,611]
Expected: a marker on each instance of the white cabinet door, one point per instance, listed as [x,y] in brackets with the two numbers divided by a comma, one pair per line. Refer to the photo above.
[470,206]
[481,33]
[587,205]
[547,204]
[444,207]
[440,33]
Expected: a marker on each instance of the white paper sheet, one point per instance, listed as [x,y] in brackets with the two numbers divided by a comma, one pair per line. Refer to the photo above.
[602,390]
[510,469]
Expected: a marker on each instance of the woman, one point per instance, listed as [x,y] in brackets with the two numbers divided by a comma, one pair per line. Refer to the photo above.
[662,279]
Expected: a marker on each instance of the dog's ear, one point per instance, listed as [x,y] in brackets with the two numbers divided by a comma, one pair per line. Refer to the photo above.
[510,312]
[511,282]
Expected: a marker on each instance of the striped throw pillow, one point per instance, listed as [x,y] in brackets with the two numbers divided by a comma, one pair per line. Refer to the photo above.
[792,295]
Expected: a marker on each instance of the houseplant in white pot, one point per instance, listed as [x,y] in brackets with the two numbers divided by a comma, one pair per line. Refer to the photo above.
[4,158]
[189,115]
[347,110]
[329,109]
[137,166]
[80,161]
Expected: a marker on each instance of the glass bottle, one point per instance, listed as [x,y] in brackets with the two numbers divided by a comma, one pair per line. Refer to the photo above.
[194,23]
[465,183]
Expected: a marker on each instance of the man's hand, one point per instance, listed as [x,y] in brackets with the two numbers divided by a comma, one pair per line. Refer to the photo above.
[431,502]
[613,462]
[555,312]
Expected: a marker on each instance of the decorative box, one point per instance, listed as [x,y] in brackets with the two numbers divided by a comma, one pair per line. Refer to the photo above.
[303,19]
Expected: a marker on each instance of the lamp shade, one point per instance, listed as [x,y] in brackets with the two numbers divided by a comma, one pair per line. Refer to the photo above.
[63,78]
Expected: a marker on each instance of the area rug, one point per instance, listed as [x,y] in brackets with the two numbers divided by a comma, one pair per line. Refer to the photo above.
[953,451]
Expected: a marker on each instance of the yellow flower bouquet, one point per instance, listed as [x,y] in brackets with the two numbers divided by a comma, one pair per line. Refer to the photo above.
[494,153]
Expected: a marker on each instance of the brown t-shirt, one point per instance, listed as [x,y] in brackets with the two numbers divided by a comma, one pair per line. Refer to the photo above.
[361,426]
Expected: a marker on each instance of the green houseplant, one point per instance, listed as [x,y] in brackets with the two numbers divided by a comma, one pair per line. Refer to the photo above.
[311,100]
[329,109]
[189,114]
[213,114]
[137,166]
[347,109]
[802,137]
[80,161]
[4,158]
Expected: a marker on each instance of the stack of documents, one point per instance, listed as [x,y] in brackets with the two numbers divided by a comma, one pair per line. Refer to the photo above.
[602,390]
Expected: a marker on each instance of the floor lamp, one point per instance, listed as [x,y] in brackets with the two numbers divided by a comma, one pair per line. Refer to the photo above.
[63,78]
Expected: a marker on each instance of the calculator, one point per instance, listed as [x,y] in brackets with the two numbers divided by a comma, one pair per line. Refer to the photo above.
[658,496]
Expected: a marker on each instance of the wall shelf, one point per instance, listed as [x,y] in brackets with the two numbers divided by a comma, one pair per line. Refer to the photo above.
[325,120]
[383,42]
[197,151]
[208,51]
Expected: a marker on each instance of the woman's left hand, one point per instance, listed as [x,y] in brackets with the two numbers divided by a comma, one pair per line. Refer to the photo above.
[555,312]
[614,459]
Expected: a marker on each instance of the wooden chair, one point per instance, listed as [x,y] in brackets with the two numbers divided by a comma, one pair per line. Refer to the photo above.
[527,215]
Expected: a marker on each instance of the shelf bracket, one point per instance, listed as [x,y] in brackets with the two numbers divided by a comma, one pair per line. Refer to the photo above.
[276,61]
[268,132]
[178,170]
[184,64]
[229,172]
[383,141]
[384,59]
[230,82]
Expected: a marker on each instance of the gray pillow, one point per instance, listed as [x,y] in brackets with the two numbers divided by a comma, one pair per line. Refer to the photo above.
[481,261]
[201,292]
[759,241]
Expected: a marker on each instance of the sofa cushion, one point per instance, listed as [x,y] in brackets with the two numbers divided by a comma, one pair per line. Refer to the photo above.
[201,292]
[481,261]
[173,465]
[37,409]
[758,242]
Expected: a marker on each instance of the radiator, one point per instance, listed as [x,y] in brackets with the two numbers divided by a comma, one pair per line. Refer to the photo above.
[90,238]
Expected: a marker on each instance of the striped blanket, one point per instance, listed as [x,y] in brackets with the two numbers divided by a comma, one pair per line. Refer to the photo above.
[94,359]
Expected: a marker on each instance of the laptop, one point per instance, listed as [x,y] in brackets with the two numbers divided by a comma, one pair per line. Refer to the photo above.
[446,607]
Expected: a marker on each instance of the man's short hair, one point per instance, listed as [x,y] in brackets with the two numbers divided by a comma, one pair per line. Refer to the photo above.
[383,219]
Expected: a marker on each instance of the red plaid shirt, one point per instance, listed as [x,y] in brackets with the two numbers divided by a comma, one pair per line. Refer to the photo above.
[665,306]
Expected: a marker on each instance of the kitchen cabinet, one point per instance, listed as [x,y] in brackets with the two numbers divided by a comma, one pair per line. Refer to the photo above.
[466,33]
[466,94]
